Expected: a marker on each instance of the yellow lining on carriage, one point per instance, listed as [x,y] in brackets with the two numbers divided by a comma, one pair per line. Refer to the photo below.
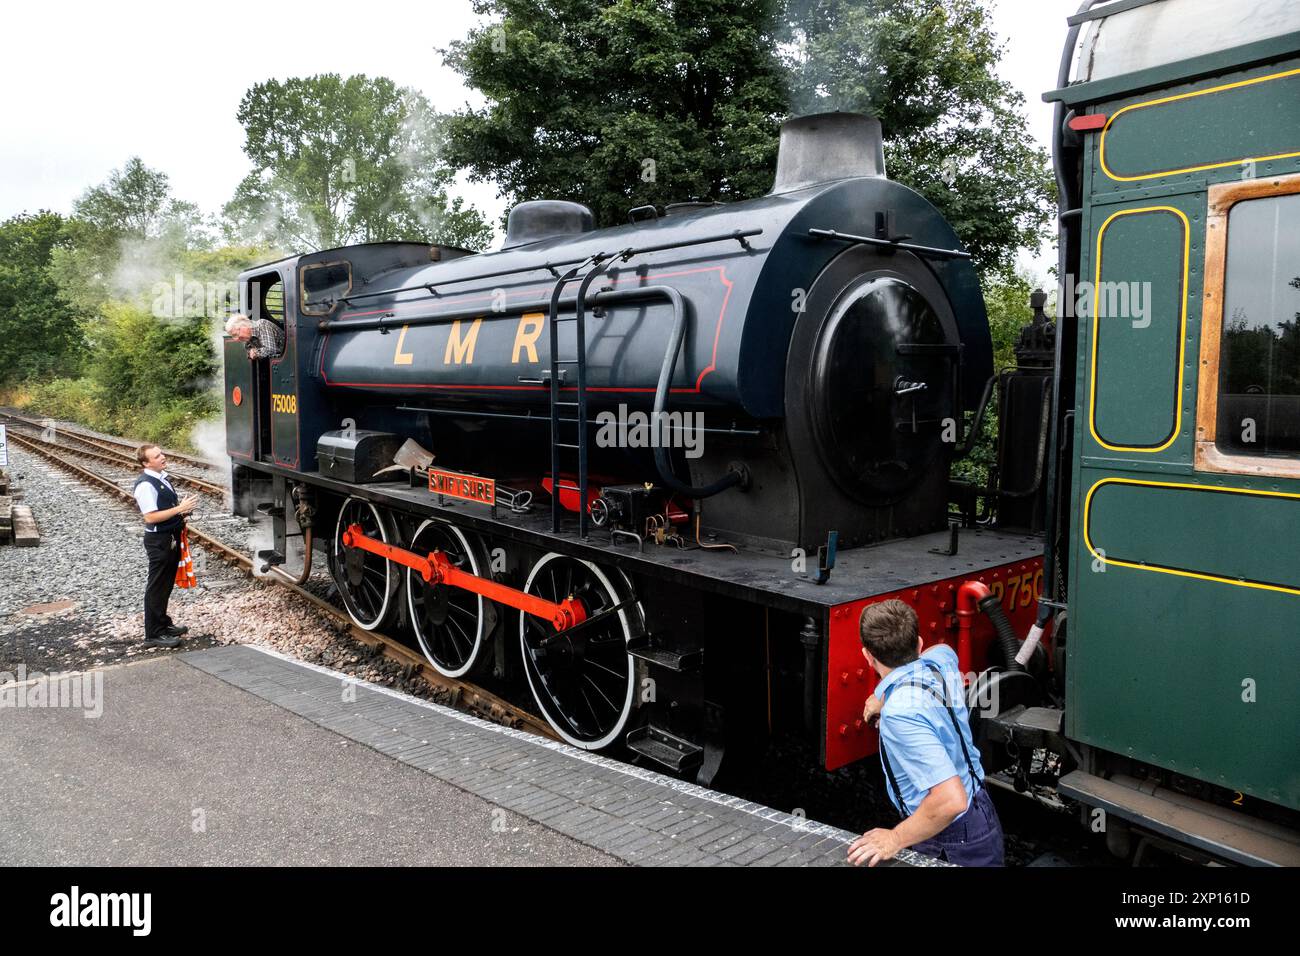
[1182,333]
[1183,96]
[1087,537]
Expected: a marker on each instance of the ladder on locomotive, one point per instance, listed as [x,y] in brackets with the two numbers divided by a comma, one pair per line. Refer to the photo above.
[572,413]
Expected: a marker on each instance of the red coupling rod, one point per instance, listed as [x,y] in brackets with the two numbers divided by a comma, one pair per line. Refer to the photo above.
[436,568]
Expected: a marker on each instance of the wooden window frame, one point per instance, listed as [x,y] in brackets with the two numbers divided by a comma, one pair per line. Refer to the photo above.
[1209,457]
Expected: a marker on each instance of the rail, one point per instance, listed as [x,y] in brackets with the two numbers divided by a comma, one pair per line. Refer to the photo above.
[124,461]
[117,445]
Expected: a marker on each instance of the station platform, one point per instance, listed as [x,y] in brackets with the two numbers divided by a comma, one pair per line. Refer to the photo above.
[237,755]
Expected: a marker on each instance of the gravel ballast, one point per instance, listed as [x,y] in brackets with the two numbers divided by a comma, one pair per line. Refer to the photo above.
[91,565]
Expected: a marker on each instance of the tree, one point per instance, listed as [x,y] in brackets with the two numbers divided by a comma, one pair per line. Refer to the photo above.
[620,104]
[1006,298]
[146,363]
[102,355]
[132,201]
[39,334]
[586,97]
[954,131]
[340,161]
[122,232]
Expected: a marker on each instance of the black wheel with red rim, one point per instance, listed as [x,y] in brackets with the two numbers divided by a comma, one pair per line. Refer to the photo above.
[451,624]
[366,582]
[584,684]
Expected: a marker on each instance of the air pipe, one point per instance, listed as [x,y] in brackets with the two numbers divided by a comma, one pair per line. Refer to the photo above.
[974,597]
[733,477]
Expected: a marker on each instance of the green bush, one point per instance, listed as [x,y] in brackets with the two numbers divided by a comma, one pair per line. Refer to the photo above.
[74,399]
[168,422]
[149,379]
[171,425]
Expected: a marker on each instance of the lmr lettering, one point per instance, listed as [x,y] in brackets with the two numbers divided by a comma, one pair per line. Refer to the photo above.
[103,909]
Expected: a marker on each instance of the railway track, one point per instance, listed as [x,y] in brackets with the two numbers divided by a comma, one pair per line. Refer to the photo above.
[118,459]
[119,446]
[464,695]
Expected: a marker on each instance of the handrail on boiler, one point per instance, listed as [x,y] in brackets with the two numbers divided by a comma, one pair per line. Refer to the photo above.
[737,235]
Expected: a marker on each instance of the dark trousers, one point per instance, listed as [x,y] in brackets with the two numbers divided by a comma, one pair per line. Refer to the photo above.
[974,839]
[164,552]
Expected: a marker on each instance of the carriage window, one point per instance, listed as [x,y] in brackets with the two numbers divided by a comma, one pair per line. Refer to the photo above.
[323,285]
[1259,366]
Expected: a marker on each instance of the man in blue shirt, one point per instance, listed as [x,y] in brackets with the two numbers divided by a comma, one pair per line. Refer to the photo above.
[932,769]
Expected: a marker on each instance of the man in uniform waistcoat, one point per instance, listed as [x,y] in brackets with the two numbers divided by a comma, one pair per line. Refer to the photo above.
[164,517]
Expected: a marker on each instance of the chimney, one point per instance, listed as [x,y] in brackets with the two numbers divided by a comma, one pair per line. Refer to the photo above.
[828,146]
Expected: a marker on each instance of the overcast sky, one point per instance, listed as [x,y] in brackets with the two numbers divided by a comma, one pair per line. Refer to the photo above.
[87,85]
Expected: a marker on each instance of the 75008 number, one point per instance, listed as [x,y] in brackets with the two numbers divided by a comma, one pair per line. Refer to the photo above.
[1019,590]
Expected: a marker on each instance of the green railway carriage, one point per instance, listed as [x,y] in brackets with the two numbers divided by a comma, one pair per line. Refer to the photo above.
[1176,547]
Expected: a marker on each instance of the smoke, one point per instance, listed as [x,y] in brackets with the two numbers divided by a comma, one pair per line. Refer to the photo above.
[142,265]
[261,218]
[153,274]
[261,537]
[209,438]
[430,200]
[209,435]
[163,253]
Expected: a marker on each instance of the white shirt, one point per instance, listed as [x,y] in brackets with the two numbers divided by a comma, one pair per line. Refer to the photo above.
[146,495]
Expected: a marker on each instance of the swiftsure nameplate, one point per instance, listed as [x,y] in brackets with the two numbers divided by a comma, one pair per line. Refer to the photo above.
[464,487]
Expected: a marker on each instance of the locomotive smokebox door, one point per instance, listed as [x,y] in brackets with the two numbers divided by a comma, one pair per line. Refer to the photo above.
[355,455]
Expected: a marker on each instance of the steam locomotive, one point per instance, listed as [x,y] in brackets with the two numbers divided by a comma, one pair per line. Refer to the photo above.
[653,473]
[808,361]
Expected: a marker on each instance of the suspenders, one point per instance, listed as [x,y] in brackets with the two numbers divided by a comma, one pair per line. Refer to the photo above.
[961,739]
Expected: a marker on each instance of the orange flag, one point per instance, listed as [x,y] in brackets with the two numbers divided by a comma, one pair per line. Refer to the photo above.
[185,577]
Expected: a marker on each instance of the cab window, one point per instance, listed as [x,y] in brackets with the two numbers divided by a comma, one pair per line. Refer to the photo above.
[323,285]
